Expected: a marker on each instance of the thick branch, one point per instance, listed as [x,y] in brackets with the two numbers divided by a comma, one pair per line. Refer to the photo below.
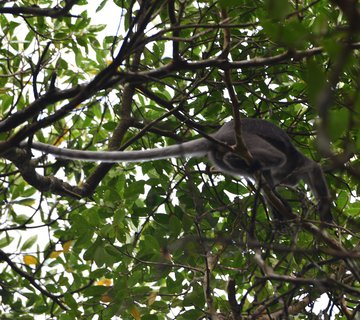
[81,93]
[40,12]
[27,168]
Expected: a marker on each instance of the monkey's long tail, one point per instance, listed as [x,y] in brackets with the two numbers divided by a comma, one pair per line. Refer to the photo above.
[196,148]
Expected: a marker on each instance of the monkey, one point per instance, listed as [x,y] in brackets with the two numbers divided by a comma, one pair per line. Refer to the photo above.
[271,149]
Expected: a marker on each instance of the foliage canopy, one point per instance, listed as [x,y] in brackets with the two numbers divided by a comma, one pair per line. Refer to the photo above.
[174,239]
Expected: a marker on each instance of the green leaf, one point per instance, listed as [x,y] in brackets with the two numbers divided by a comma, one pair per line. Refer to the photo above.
[228,3]
[70,301]
[114,251]
[338,123]
[342,200]
[152,236]
[29,242]
[358,141]
[190,314]
[66,316]
[175,226]
[277,9]
[4,242]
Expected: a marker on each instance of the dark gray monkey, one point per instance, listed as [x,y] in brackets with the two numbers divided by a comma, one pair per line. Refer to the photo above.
[270,147]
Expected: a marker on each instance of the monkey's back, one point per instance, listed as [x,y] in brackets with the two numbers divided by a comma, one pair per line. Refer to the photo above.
[262,128]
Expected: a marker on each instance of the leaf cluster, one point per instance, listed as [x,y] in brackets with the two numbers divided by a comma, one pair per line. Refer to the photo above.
[174,239]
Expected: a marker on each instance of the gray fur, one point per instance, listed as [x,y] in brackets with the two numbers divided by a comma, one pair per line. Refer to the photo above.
[272,151]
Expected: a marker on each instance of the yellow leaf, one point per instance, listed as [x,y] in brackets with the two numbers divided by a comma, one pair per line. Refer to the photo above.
[30,260]
[55,254]
[152,297]
[105,298]
[107,282]
[104,282]
[66,245]
[135,313]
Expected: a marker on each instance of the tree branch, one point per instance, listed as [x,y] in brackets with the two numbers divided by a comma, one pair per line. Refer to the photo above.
[5,257]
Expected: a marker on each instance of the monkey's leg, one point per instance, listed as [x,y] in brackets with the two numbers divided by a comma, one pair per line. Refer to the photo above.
[314,177]
[268,160]
[279,208]
[277,214]
[268,156]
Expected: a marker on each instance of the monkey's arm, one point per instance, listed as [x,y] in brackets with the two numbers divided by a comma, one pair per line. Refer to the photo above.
[265,157]
[195,148]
